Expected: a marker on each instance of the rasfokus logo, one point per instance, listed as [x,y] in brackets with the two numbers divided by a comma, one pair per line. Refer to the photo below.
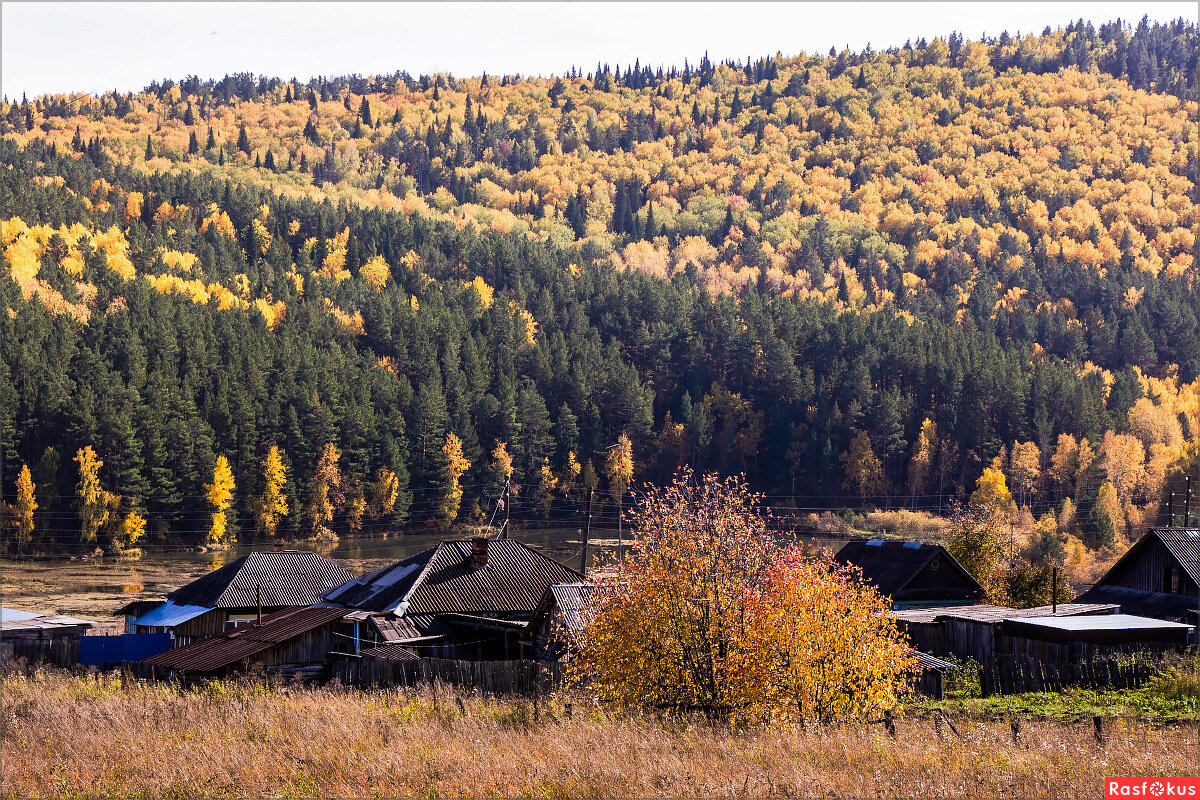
[1153,788]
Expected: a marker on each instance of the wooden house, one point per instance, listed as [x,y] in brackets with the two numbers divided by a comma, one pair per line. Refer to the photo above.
[237,594]
[912,574]
[463,599]
[1156,577]
[294,641]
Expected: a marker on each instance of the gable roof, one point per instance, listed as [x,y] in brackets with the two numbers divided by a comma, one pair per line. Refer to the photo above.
[444,580]
[889,566]
[287,578]
[1184,544]
[218,652]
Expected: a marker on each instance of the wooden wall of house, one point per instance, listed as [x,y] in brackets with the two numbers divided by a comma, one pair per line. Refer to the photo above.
[1147,568]
[312,647]
[210,623]
[1073,653]
[944,583]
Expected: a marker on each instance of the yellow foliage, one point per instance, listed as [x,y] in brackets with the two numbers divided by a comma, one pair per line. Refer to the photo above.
[485,293]
[376,272]
[272,504]
[219,495]
[456,465]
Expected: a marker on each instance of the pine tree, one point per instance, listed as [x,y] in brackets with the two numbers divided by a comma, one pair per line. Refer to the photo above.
[365,112]
[243,141]
[193,144]
[149,148]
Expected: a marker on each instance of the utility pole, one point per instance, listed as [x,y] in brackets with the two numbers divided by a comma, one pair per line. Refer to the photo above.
[1187,502]
[587,532]
[507,507]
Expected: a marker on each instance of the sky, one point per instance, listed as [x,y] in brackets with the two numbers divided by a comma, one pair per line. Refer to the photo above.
[94,47]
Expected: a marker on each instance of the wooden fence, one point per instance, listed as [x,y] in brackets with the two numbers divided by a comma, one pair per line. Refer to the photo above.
[1017,674]
[61,652]
[491,677]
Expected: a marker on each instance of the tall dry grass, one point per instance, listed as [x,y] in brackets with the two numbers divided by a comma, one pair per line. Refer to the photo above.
[64,735]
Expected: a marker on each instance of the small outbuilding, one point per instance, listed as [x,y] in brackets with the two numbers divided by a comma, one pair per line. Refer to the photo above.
[294,641]
[40,637]
[1069,640]
[912,574]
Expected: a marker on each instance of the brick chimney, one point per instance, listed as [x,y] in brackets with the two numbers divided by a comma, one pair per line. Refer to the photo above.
[479,551]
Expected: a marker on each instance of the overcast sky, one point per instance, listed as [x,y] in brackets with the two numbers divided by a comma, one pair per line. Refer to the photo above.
[60,47]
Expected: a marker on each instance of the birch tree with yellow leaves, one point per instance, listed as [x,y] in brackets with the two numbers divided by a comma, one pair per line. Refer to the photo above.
[219,494]
[456,465]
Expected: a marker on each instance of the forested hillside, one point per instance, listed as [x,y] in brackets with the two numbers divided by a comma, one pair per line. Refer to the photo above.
[273,307]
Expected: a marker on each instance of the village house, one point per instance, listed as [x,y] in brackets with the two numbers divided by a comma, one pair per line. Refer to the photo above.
[40,637]
[236,594]
[911,574]
[1156,577]
[463,599]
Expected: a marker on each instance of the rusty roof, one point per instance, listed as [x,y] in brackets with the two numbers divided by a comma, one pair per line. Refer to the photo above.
[391,652]
[445,580]
[213,654]
[286,577]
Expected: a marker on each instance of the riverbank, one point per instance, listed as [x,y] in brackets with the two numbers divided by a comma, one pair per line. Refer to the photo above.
[71,736]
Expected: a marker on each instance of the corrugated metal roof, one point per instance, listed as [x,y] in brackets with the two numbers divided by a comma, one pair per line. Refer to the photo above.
[927,661]
[391,652]
[169,615]
[1184,544]
[1147,604]
[286,577]
[44,622]
[889,566]
[988,613]
[213,654]
[572,600]
[14,614]
[1102,622]
[443,580]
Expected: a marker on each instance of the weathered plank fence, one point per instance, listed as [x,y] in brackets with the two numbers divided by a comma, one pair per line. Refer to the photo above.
[59,652]
[1018,674]
[489,677]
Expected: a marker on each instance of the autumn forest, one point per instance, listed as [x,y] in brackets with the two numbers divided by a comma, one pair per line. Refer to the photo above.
[256,308]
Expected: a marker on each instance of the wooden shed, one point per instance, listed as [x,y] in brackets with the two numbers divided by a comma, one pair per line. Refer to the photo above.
[976,631]
[40,637]
[288,642]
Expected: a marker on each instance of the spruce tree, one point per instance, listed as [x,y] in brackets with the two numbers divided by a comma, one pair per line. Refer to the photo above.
[149,148]
[243,142]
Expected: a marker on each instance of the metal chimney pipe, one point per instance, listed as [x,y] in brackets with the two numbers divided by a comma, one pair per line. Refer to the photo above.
[258,598]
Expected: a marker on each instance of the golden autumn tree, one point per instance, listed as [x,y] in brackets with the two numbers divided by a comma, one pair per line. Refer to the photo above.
[219,494]
[618,467]
[325,493]
[272,503]
[925,450]
[570,474]
[456,465]
[95,504]
[991,495]
[713,612]
[1025,467]
[132,528]
[864,471]
[26,505]
[385,490]
[547,482]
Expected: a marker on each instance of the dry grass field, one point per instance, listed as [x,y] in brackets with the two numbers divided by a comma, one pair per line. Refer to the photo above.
[63,735]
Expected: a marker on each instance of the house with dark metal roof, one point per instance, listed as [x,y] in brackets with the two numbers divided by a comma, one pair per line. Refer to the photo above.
[1156,577]
[237,593]
[912,574]
[293,641]
[466,599]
